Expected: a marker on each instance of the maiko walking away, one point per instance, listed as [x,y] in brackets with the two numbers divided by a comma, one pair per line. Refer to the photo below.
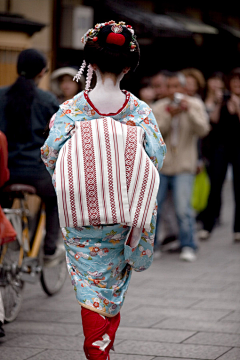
[107,242]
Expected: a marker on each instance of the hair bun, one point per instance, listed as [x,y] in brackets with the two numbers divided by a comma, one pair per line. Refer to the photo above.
[116,39]
[112,47]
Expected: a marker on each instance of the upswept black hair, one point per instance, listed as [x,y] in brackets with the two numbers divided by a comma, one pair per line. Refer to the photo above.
[21,94]
[112,58]
[234,73]
[217,75]
[164,73]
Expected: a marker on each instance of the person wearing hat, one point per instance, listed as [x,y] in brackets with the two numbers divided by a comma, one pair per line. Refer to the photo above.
[25,111]
[62,84]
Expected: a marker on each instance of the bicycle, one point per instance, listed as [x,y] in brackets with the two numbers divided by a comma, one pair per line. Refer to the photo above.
[22,260]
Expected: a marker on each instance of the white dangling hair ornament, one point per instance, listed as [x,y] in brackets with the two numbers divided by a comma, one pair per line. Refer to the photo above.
[80,72]
[89,77]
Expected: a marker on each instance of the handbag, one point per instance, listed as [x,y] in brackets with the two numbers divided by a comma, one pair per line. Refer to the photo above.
[201,189]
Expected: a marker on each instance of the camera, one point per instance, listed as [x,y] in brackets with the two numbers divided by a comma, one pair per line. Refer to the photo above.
[177,98]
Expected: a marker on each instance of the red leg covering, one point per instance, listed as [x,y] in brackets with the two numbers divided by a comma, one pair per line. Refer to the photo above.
[99,332]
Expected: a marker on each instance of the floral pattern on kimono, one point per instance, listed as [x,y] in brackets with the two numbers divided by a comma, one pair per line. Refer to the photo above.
[99,260]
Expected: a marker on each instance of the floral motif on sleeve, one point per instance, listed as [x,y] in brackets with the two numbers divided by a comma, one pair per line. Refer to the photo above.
[59,134]
[141,257]
[154,143]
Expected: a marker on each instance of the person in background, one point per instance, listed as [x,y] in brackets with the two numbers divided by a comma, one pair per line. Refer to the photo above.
[159,84]
[182,120]
[214,96]
[195,82]
[24,113]
[166,240]
[146,91]
[225,149]
[4,176]
[195,85]
[62,84]
[215,93]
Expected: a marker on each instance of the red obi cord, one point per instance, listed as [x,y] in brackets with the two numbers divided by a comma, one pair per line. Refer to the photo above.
[99,332]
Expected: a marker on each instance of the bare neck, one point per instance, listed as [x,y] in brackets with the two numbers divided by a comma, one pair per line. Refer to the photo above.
[107,96]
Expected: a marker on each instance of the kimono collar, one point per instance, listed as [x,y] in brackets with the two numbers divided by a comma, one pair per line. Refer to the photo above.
[80,108]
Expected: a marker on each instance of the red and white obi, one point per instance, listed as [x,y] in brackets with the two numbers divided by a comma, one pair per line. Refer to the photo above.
[104,176]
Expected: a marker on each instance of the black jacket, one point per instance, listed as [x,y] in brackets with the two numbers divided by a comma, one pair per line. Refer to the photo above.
[25,157]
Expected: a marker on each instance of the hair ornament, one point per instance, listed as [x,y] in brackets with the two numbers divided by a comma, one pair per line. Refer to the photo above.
[80,71]
[114,37]
[116,29]
[132,46]
[89,77]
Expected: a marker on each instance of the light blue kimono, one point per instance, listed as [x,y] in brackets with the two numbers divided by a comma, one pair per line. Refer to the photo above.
[99,261]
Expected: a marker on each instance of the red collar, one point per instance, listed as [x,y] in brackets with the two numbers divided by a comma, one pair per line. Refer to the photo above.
[110,114]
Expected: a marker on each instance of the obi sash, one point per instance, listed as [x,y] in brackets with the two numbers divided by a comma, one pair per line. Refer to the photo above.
[104,176]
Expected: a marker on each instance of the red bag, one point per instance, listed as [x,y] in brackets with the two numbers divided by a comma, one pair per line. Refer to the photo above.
[4,173]
[7,232]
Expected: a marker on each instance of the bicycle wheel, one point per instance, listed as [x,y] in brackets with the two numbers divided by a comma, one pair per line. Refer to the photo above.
[11,286]
[53,274]
[11,283]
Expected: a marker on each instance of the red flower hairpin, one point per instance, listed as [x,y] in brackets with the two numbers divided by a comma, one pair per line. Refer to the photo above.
[115,37]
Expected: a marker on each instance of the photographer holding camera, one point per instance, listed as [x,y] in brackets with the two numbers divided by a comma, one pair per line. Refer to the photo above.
[182,120]
[225,150]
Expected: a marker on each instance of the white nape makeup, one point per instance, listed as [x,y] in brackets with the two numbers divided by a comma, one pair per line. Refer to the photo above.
[107,96]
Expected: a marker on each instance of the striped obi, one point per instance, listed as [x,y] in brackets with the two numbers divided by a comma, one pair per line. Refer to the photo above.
[104,176]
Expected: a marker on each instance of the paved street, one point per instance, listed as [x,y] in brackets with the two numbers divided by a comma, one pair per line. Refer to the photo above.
[173,311]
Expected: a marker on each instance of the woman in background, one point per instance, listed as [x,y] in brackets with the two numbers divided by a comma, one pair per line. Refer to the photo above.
[62,84]
[225,150]
[215,89]
[195,82]
[214,96]
[146,92]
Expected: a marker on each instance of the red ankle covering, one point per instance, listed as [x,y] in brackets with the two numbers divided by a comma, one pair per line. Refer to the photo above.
[99,332]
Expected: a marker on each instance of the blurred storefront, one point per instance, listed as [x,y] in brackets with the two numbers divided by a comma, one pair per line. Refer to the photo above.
[15,36]
[24,24]
[172,34]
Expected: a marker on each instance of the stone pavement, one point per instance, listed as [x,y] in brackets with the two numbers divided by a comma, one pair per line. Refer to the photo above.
[173,311]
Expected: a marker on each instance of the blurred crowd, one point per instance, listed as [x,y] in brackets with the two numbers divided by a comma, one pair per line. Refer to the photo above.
[200,123]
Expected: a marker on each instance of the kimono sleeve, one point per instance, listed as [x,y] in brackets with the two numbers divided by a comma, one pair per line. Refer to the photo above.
[61,126]
[141,257]
[154,144]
